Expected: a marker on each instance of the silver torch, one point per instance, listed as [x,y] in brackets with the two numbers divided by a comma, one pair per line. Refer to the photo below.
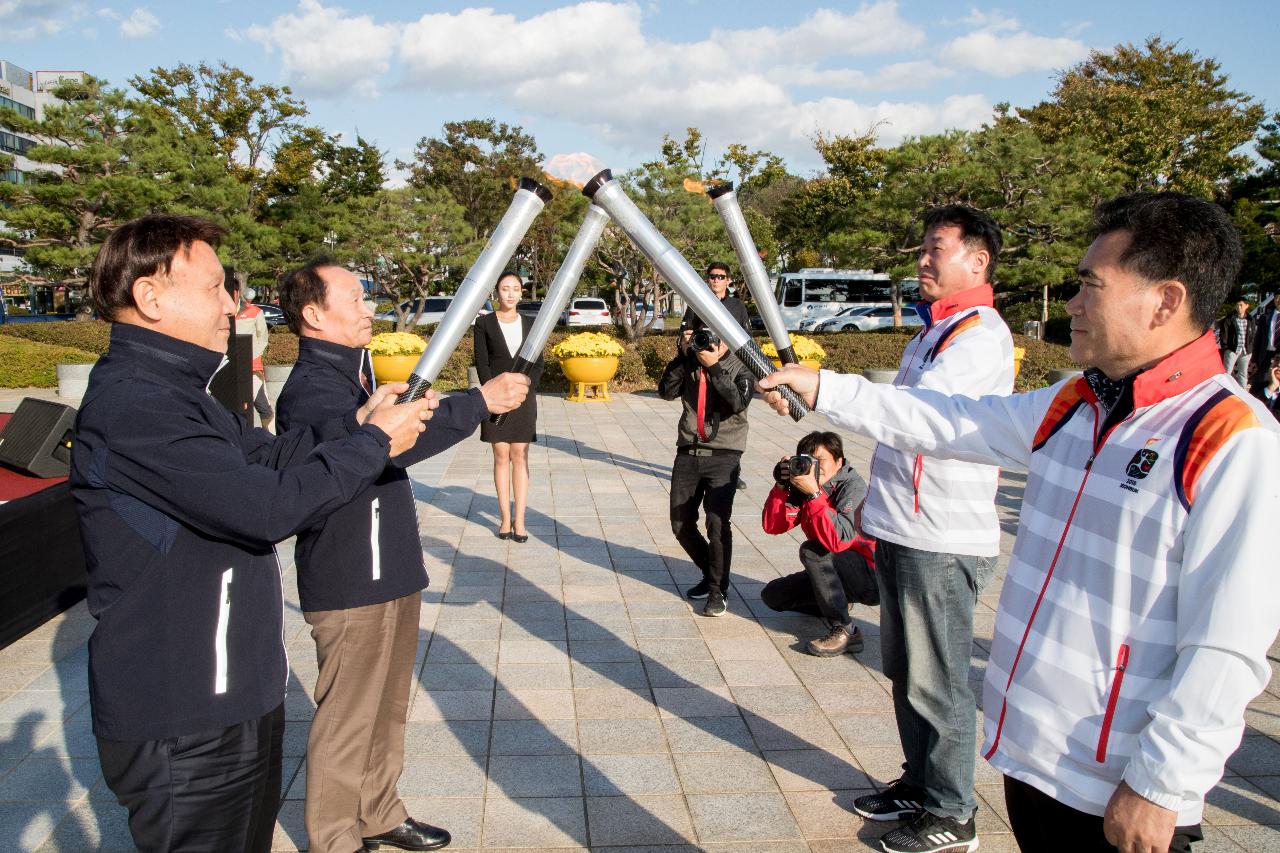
[558,292]
[475,288]
[606,192]
[726,202]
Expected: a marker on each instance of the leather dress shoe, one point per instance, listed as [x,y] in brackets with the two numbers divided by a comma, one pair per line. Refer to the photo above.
[410,835]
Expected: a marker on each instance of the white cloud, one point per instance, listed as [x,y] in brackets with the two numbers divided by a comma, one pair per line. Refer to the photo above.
[24,20]
[593,64]
[139,24]
[328,52]
[578,167]
[872,29]
[1001,48]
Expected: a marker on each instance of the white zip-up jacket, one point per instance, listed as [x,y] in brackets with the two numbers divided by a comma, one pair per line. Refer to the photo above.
[944,505]
[1141,597]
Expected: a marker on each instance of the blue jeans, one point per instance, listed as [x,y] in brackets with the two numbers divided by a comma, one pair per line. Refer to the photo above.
[926,638]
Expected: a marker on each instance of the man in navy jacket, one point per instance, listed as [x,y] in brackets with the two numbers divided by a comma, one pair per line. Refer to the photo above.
[179,505]
[361,574]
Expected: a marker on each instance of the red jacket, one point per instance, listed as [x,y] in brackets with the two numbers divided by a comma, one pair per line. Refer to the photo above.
[827,519]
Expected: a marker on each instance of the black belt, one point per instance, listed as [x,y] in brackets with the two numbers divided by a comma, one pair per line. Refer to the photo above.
[706,451]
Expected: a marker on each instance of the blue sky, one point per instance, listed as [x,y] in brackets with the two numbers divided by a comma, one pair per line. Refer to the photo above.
[598,83]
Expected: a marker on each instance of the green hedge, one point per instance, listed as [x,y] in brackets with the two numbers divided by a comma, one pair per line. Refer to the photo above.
[31,364]
[88,335]
[638,369]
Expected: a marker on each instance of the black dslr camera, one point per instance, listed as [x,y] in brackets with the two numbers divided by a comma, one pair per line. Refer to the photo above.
[794,466]
[703,340]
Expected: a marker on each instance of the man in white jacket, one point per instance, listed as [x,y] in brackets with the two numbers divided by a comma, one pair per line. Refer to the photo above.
[937,535]
[1140,600]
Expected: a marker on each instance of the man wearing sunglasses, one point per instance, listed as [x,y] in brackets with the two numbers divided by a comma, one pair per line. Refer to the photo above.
[718,280]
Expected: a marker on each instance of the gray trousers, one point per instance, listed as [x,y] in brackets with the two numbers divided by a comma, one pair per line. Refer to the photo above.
[1237,364]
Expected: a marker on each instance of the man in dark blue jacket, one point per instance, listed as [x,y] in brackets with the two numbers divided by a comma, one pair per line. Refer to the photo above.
[179,505]
[361,574]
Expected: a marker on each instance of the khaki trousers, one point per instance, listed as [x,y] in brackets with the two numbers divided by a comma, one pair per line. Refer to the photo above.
[355,752]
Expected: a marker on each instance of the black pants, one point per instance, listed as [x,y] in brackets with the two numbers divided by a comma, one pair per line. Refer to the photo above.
[1042,823]
[210,792]
[826,587]
[705,483]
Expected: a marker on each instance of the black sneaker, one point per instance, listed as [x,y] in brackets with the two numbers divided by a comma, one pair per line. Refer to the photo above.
[897,801]
[715,604]
[931,833]
[698,591]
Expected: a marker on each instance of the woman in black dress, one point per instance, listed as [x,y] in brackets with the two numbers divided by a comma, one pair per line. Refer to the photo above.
[497,340]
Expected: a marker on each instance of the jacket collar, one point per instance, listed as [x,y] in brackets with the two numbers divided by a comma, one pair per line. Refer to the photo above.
[182,362]
[348,361]
[1178,372]
[936,312]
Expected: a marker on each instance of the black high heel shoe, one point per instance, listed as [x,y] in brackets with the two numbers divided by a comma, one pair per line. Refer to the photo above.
[506,535]
[519,537]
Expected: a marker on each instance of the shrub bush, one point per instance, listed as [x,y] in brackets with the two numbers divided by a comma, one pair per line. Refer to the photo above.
[87,335]
[1058,330]
[32,364]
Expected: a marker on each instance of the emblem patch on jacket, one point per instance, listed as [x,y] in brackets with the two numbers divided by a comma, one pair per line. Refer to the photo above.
[1140,464]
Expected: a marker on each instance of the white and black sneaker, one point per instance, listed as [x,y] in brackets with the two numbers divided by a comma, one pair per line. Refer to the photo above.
[698,591]
[715,604]
[931,833]
[896,802]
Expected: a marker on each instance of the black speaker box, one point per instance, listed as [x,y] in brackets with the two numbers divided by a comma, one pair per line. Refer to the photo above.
[232,386]
[37,439]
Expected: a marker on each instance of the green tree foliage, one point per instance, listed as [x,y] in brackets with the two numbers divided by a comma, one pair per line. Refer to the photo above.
[1165,117]
[245,121]
[352,171]
[106,159]
[1255,209]
[479,162]
[409,242]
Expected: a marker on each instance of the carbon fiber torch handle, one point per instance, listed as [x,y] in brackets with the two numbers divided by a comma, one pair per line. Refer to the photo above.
[788,356]
[418,388]
[523,366]
[758,363]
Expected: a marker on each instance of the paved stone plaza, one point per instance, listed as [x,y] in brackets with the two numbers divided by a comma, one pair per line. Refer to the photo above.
[567,697]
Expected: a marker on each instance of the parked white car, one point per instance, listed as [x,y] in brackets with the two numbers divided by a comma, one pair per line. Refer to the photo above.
[432,311]
[586,311]
[836,323]
[881,318]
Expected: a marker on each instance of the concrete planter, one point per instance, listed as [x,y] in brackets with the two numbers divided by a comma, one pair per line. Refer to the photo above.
[1058,374]
[73,380]
[277,375]
[884,377]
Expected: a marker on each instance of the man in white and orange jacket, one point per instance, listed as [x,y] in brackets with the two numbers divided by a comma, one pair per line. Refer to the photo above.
[937,534]
[1140,601]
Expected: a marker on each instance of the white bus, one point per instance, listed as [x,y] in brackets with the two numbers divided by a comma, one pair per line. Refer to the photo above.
[815,294]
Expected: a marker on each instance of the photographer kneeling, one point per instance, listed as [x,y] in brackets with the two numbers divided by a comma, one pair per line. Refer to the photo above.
[818,491]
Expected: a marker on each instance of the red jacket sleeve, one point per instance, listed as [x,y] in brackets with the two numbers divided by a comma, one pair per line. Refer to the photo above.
[777,517]
[815,520]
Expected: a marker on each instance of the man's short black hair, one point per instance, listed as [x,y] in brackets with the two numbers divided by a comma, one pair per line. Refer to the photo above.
[830,440]
[302,287]
[1177,237]
[143,247]
[718,265]
[978,230]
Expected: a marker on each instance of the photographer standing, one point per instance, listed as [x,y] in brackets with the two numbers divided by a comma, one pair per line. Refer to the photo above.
[819,491]
[715,389]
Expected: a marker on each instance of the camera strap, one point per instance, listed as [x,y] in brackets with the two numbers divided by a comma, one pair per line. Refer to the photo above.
[702,404]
